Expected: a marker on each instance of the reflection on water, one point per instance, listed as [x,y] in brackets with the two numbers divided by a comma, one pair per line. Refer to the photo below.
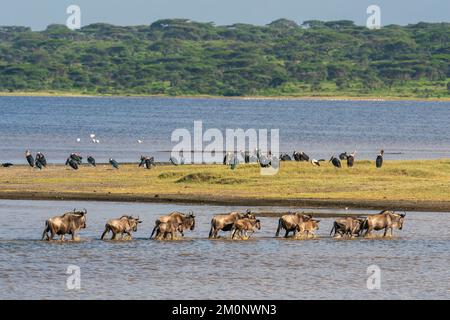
[414,265]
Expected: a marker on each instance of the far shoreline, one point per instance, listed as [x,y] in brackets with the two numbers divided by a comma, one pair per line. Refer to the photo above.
[63,94]
[307,203]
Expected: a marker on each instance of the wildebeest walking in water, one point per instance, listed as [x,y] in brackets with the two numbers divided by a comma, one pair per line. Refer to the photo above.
[379,161]
[123,225]
[335,161]
[350,227]
[244,226]
[225,222]
[387,220]
[68,223]
[91,161]
[29,158]
[290,222]
[169,224]
[307,228]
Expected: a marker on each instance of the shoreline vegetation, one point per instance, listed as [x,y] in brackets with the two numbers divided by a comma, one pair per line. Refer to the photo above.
[182,57]
[252,97]
[414,185]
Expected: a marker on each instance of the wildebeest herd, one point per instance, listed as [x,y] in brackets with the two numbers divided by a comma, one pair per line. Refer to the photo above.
[240,225]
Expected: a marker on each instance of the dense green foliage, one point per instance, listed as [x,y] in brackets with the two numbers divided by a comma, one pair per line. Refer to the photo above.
[178,57]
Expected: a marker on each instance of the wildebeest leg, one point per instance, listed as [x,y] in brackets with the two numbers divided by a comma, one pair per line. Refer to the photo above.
[62,237]
[287,233]
[233,233]
[279,228]
[73,236]
[104,233]
[114,235]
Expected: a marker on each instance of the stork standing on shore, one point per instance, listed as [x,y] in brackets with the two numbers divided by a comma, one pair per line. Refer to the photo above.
[379,161]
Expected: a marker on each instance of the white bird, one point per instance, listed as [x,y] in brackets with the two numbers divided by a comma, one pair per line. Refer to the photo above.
[315,162]
[97,141]
[78,139]
[92,136]
[140,141]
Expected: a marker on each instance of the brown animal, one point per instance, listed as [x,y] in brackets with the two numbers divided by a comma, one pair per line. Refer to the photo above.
[125,224]
[166,229]
[225,222]
[349,226]
[306,228]
[243,226]
[387,220]
[180,220]
[289,222]
[68,223]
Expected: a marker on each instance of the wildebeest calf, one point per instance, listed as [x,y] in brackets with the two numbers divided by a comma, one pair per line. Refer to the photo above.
[243,226]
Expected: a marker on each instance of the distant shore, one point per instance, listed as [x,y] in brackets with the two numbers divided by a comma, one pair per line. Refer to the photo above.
[257,97]
[417,185]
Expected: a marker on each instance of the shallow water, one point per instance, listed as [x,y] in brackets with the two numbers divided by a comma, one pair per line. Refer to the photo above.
[405,129]
[414,264]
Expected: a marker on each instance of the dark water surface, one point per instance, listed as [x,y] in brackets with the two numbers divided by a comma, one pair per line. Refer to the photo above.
[414,264]
[405,129]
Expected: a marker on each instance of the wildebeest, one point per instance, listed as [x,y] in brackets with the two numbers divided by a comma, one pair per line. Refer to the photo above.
[387,220]
[168,229]
[335,161]
[29,158]
[225,222]
[290,222]
[68,223]
[180,220]
[91,161]
[306,228]
[349,226]
[244,226]
[379,161]
[125,224]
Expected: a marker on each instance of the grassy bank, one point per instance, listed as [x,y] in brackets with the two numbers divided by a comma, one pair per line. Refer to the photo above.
[268,95]
[408,185]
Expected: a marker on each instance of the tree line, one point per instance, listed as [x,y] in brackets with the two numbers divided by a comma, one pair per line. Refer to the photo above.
[183,57]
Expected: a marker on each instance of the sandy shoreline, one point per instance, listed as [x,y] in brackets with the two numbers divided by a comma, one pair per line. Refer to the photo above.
[400,185]
[313,98]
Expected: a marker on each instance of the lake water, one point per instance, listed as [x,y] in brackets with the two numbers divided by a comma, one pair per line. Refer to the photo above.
[405,129]
[414,264]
